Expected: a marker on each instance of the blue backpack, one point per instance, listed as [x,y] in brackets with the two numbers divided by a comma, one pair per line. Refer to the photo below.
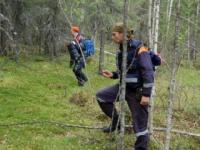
[155,59]
[89,48]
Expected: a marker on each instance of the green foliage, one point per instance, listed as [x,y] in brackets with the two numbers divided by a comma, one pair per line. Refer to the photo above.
[34,89]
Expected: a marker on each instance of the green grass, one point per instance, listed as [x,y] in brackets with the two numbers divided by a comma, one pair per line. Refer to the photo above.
[39,89]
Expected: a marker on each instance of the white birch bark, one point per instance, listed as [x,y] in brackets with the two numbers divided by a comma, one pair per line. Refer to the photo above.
[157,20]
[168,3]
[123,83]
[150,24]
[169,14]
[101,52]
[188,43]
[155,47]
[196,30]
[170,10]
[153,21]
[172,88]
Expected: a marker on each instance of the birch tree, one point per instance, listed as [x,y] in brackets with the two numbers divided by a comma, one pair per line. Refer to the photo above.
[150,23]
[196,30]
[101,52]
[188,43]
[153,21]
[169,13]
[123,83]
[172,86]
[155,47]
[157,20]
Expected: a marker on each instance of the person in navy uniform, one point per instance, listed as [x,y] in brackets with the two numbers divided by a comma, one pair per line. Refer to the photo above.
[77,59]
[139,83]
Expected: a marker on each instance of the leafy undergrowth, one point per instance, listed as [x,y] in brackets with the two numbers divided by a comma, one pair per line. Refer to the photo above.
[33,90]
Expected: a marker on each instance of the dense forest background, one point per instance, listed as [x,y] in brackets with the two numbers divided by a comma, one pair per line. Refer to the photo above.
[42,26]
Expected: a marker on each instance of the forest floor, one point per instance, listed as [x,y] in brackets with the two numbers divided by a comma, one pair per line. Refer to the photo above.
[37,89]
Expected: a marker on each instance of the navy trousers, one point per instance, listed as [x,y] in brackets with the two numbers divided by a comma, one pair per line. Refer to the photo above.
[106,99]
[77,69]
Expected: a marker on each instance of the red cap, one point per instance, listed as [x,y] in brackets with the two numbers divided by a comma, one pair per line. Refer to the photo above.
[75,29]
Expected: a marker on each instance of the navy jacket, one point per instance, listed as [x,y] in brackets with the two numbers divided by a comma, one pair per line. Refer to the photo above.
[74,49]
[140,73]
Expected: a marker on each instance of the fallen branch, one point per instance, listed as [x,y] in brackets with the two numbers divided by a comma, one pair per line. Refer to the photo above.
[60,124]
[64,125]
[195,135]
[106,52]
[160,129]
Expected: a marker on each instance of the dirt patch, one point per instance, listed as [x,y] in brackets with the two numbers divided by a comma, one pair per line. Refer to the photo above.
[56,86]
[80,98]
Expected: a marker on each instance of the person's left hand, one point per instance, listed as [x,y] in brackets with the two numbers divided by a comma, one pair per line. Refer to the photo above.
[162,59]
[144,100]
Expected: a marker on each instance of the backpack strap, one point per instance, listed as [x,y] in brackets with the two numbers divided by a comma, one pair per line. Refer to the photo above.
[78,38]
[138,46]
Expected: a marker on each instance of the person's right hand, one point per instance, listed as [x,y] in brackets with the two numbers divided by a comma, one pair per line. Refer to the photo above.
[107,74]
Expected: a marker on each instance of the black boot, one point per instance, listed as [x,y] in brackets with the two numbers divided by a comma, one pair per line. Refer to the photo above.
[110,111]
[142,142]
[114,125]
[83,77]
[81,82]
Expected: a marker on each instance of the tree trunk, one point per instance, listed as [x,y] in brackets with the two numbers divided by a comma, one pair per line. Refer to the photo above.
[170,10]
[101,53]
[155,47]
[172,88]
[150,24]
[196,31]
[188,44]
[17,7]
[123,83]
[50,42]
[150,109]
[157,20]
[153,21]
[169,14]
[2,34]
